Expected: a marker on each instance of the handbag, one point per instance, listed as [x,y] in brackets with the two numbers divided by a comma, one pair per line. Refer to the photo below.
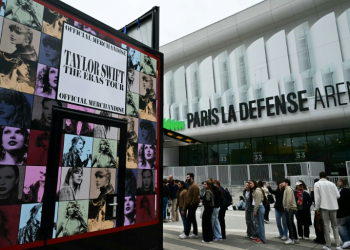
[318,222]
[270,199]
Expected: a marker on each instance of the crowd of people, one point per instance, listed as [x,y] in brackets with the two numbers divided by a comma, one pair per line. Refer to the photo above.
[330,206]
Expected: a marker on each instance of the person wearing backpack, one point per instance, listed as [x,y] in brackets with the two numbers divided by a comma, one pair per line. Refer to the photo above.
[218,197]
[259,211]
[223,207]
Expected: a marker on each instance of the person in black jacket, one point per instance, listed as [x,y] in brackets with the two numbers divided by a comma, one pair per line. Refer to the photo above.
[218,197]
[343,214]
[166,197]
[319,234]
[222,212]
[279,211]
[303,215]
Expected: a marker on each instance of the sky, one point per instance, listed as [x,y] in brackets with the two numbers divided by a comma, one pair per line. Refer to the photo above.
[178,18]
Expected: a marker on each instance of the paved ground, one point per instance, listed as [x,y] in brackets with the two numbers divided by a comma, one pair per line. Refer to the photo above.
[236,229]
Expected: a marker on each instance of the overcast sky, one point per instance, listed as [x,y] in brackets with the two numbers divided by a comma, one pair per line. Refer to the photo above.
[177,17]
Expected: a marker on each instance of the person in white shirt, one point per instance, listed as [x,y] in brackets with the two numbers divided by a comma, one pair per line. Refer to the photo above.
[326,195]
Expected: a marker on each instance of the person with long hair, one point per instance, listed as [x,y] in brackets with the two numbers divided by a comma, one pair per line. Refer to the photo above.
[133,61]
[132,104]
[147,183]
[129,210]
[104,158]
[147,66]
[41,150]
[208,203]
[31,231]
[147,154]
[130,79]
[53,23]
[97,207]
[73,222]
[52,49]
[9,182]
[130,183]
[181,204]
[281,220]
[44,123]
[25,12]
[131,155]
[303,213]
[35,192]
[148,133]
[73,158]
[145,210]
[18,76]
[4,239]
[46,82]
[249,212]
[13,145]
[147,109]
[343,214]
[131,133]
[147,84]
[241,204]
[259,211]
[72,184]
[101,131]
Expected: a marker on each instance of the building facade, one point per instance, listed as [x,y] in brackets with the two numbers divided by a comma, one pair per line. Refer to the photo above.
[269,84]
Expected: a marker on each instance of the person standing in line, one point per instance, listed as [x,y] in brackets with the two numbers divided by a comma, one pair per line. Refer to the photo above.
[218,197]
[290,208]
[317,225]
[181,202]
[208,203]
[249,212]
[173,185]
[267,205]
[303,215]
[192,201]
[259,211]
[343,215]
[166,197]
[222,211]
[326,203]
[281,220]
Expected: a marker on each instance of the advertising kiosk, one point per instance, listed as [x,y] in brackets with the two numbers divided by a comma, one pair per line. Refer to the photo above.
[81,132]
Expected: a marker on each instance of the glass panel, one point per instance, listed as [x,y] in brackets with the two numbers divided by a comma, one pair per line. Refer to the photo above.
[347,142]
[183,152]
[258,150]
[200,154]
[300,149]
[335,145]
[223,153]
[285,148]
[213,153]
[245,151]
[271,149]
[205,153]
[316,146]
[234,151]
[192,155]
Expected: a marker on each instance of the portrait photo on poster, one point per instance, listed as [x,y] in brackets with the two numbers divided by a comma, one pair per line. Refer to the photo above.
[147,109]
[72,218]
[26,12]
[16,108]
[133,81]
[53,23]
[46,81]
[75,184]
[102,182]
[147,156]
[38,148]
[17,73]
[145,182]
[19,40]
[148,86]
[103,131]
[131,155]
[2,7]
[42,112]
[34,184]
[134,57]
[9,221]
[132,128]
[130,182]
[132,104]
[14,145]
[148,65]
[29,225]
[13,178]
[77,151]
[55,221]
[145,208]
[50,51]
[79,127]
[104,153]
[147,132]
[129,210]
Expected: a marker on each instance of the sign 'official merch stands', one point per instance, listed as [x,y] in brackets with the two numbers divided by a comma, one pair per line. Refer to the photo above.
[80,141]
[268,85]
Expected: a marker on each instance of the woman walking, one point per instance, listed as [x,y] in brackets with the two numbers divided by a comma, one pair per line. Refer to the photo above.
[259,211]
[208,203]
[303,215]
[279,211]
[181,202]
[249,212]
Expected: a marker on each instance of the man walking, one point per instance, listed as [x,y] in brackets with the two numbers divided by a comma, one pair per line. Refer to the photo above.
[326,195]
[192,201]
[290,208]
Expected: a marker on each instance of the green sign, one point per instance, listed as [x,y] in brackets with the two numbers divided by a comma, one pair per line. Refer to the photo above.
[173,125]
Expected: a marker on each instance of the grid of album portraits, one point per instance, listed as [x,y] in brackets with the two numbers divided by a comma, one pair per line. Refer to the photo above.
[30,43]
